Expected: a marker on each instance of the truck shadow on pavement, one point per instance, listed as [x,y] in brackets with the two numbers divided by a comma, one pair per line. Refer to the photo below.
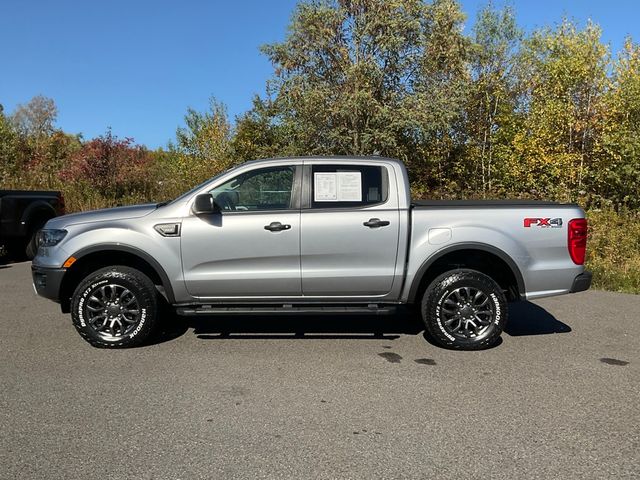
[525,319]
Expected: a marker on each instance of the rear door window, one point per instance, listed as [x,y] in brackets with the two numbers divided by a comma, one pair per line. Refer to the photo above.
[344,186]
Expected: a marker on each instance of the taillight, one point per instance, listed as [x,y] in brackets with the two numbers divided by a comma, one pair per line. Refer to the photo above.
[577,240]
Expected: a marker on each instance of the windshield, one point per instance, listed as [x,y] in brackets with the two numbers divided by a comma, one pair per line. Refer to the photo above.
[198,187]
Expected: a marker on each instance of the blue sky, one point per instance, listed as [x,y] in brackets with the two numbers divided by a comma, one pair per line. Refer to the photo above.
[136,66]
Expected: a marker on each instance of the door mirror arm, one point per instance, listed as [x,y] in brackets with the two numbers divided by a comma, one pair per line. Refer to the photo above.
[205,204]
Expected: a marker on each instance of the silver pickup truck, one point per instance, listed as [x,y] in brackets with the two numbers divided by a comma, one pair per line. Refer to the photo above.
[314,234]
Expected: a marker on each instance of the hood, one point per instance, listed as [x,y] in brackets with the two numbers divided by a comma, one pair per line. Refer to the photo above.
[104,215]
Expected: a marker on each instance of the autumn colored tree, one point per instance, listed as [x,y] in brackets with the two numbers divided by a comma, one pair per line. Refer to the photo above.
[114,167]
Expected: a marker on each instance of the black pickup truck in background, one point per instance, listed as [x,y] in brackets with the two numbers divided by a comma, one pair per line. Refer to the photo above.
[22,214]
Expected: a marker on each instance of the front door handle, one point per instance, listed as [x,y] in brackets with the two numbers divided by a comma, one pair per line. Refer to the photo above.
[376,223]
[276,227]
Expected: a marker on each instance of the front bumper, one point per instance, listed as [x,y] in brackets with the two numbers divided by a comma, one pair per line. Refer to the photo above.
[47,281]
[582,282]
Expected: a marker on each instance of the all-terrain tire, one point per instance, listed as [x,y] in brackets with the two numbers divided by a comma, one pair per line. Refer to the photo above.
[464,309]
[115,307]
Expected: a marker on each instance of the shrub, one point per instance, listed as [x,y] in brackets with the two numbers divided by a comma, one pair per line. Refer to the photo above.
[116,168]
[613,250]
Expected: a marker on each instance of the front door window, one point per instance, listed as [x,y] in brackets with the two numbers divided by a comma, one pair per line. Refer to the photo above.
[257,190]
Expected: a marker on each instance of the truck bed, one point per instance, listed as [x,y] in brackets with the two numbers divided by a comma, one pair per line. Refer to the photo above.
[531,233]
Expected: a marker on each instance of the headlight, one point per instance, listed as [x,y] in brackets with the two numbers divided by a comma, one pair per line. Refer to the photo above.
[50,237]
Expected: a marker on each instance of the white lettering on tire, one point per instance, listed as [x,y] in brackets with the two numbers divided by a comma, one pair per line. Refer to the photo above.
[498,311]
[439,320]
[83,298]
[143,317]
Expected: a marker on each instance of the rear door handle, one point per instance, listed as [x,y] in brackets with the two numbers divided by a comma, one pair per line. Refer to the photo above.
[375,223]
[276,227]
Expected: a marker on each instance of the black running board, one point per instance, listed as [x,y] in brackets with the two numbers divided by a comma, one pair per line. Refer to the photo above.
[371,309]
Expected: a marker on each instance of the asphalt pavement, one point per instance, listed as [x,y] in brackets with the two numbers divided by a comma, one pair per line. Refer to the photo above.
[321,397]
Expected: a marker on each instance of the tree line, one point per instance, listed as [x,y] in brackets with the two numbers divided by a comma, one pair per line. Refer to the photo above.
[490,113]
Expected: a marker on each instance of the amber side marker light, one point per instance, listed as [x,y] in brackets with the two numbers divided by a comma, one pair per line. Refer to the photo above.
[70,261]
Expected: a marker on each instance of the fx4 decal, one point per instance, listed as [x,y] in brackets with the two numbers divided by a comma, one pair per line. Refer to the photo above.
[543,222]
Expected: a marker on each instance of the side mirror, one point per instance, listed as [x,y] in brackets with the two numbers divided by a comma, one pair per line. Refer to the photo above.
[205,204]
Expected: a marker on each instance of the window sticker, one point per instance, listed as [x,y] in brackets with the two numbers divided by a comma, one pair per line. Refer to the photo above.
[325,187]
[349,186]
[338,186]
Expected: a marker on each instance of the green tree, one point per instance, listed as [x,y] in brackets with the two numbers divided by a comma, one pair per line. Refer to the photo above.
[36,118]
[203,145]
[206,135]
[342,73]
[439,83]
[8,148]
[258,135]
[617,178]
[492,95]
[563,81]
[364,77]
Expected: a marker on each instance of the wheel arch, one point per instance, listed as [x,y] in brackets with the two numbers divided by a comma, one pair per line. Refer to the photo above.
[36,211]
[485,258]
[99,256]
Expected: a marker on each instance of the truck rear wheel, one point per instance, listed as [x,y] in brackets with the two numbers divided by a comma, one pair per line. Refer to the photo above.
[115,307]
[464,309]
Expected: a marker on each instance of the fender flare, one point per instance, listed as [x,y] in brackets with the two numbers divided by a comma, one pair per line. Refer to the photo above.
[417,279]
[155,265]
[35,209]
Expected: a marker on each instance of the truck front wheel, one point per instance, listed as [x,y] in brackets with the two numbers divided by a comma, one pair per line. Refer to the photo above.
[115,307]
[464,309]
